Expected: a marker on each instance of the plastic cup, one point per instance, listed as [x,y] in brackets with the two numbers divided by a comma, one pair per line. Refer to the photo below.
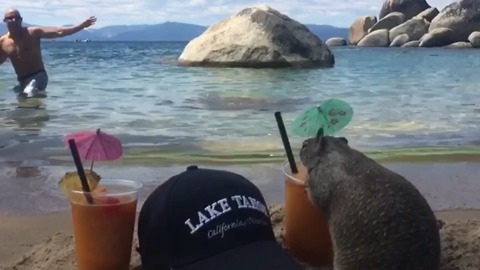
[103,231]
[305,232]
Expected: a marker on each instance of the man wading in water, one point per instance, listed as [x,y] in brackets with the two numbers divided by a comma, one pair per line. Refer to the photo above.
[22,46]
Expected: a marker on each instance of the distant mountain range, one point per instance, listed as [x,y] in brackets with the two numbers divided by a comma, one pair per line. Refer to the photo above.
[171,31]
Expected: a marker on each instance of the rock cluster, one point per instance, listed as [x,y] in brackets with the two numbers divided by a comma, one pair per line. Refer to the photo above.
[414,23]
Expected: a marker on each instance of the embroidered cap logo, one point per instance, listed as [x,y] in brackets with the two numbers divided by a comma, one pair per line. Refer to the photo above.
[220,208]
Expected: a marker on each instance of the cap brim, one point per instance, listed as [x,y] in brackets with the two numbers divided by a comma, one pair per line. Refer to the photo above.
[265,255]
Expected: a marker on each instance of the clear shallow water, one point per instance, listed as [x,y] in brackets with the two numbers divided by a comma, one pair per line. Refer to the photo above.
[402,98]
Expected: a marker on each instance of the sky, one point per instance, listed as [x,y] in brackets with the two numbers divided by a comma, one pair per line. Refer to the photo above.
[204,12]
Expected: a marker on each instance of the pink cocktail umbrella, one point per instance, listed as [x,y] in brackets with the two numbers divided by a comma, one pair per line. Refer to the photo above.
[96,145]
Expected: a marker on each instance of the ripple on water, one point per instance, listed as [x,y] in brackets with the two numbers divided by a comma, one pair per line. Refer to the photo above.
[401,97]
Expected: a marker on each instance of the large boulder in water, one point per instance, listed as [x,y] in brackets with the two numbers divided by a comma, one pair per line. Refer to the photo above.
[257,37]
[415,28]
[400,40]
[428,14]
[359,28]
[438,38]
[388,22]
[462,16]
[377,38]
[409,8]
[474,39]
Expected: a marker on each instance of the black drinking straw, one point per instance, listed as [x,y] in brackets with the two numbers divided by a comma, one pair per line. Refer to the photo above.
[286,142]
[80,170]
[319,134]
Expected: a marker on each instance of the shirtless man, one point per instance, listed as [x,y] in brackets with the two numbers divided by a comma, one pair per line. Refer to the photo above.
[22,46]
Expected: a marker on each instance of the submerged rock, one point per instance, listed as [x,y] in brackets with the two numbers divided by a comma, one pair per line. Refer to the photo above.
[411,44]
[257,37]
[336,41]
[459,45]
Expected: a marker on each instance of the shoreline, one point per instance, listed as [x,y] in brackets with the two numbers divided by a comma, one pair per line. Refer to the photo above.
[152,156]
[411,155]
[229,153]
[445,185]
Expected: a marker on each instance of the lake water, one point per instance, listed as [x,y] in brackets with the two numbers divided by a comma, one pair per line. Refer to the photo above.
[404,101]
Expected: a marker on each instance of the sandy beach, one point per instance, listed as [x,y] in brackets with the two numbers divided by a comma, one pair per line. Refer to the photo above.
[36,231]
[46,242]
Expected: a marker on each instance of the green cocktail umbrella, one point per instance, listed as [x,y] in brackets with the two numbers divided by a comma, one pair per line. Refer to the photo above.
[331,116]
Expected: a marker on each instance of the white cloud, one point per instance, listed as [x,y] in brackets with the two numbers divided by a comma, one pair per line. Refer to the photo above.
[196,11]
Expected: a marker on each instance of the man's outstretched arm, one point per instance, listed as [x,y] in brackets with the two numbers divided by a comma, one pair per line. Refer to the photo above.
[57,32]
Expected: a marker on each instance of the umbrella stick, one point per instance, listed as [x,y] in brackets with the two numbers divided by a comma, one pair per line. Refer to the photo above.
[91,167]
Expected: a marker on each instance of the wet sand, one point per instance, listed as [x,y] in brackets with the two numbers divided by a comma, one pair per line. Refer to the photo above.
[33,190]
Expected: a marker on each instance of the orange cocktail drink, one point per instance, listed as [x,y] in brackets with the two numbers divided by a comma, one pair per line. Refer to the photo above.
[103,230]
[306,232]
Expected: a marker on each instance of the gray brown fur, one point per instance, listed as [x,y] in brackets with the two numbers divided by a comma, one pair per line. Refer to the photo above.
[378,219]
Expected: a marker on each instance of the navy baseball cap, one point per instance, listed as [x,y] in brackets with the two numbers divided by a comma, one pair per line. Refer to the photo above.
[208,219]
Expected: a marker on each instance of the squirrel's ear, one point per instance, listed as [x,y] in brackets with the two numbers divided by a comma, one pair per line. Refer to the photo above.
[344,139]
